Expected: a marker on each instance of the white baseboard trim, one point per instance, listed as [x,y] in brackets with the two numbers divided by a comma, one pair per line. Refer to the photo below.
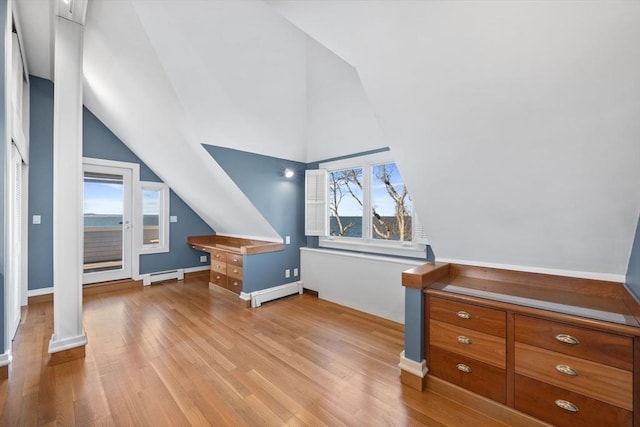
[38,292]
[161,276]
[245,296]
[264,295]
[419,369]
[66,344]
[196,269]
[5,358]
[607,277]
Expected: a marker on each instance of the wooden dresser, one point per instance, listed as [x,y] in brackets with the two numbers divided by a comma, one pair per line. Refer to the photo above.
[227,257]
[564,350]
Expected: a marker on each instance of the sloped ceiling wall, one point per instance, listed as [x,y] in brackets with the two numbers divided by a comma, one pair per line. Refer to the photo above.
[515,124]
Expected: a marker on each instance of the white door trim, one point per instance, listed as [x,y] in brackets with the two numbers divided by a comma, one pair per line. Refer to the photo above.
[134,196]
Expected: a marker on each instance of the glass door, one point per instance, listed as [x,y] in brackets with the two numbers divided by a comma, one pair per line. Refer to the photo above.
[107,223]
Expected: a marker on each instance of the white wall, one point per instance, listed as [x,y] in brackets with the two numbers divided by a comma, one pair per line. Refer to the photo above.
[363,282]
[340,120]
[515,124]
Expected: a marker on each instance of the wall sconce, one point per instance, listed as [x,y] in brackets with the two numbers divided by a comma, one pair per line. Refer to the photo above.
[288,173]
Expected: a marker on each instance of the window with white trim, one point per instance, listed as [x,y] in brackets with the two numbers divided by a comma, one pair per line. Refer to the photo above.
[155,217]
[362,204]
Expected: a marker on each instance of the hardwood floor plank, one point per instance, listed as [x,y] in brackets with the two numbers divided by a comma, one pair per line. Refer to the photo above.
[181,353]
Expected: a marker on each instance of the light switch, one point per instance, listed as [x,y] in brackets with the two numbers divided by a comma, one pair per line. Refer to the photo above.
[295,272]
[287,240]
[36,219]
[173,218]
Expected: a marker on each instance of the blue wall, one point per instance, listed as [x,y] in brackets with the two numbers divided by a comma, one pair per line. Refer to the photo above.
[633,272]
[98,142]
[279,200]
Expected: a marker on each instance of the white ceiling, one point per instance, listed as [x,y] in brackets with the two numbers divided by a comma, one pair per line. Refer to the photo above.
[515,124]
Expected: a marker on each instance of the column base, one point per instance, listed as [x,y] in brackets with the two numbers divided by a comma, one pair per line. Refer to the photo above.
[66,350]
[412,373]
[65,356]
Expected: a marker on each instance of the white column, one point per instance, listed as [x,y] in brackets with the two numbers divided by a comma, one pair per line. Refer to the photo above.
[67,188]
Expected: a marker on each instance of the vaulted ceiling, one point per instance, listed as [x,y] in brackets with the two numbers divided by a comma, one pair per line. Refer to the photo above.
[515,124]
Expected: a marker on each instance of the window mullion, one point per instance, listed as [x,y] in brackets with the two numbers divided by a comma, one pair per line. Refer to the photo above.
[366,202]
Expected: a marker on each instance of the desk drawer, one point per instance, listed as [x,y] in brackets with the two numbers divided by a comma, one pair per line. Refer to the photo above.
[605,383]
[218,278]
[598,346]
[219,266]
[234,285]
[486,320]
[218,255]
[234,259]
[483,347]
[468,373]
[539,399]
[234,271]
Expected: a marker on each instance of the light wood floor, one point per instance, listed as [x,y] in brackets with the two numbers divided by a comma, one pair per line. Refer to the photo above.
[182,354]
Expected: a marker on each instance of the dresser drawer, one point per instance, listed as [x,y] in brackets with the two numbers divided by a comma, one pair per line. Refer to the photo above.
[605,383]
[218,266]
[234,259]
[483,347]
[234,271]
[468,373]
[218,278]
[234,285]
[539,399]
[469,316]
[598,346]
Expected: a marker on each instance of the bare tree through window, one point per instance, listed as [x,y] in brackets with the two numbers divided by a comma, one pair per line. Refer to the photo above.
[390,208]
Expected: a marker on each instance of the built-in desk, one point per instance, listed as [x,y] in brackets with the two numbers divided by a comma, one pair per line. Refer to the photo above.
[227,257]
[564,350]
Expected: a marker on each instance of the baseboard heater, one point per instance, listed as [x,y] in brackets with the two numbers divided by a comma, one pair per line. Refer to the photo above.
[259,297]
[162,276]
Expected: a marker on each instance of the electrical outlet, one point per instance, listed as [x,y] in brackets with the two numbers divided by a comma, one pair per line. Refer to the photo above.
[203,258]
[295,272]
[287,240]
[36,219]
[173,218]
[287,273]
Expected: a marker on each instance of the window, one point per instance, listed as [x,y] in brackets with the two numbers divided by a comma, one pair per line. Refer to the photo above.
[155,217]
[369,207]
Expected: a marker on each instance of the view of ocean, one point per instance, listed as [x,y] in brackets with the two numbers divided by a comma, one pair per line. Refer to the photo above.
[101,220]
[356,230]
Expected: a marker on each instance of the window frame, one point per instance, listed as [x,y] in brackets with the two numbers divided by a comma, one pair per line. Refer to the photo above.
[163,221]
[416,248]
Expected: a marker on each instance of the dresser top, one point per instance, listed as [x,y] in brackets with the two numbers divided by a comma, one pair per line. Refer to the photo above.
[594,302]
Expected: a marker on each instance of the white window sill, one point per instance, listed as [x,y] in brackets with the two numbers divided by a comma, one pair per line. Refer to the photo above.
[406,249]
[153,250]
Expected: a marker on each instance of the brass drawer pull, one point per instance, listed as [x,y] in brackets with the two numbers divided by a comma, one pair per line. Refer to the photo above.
[567,406]
[463,315]
[463,368]
[464,340]
[567,370]
[567,339]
